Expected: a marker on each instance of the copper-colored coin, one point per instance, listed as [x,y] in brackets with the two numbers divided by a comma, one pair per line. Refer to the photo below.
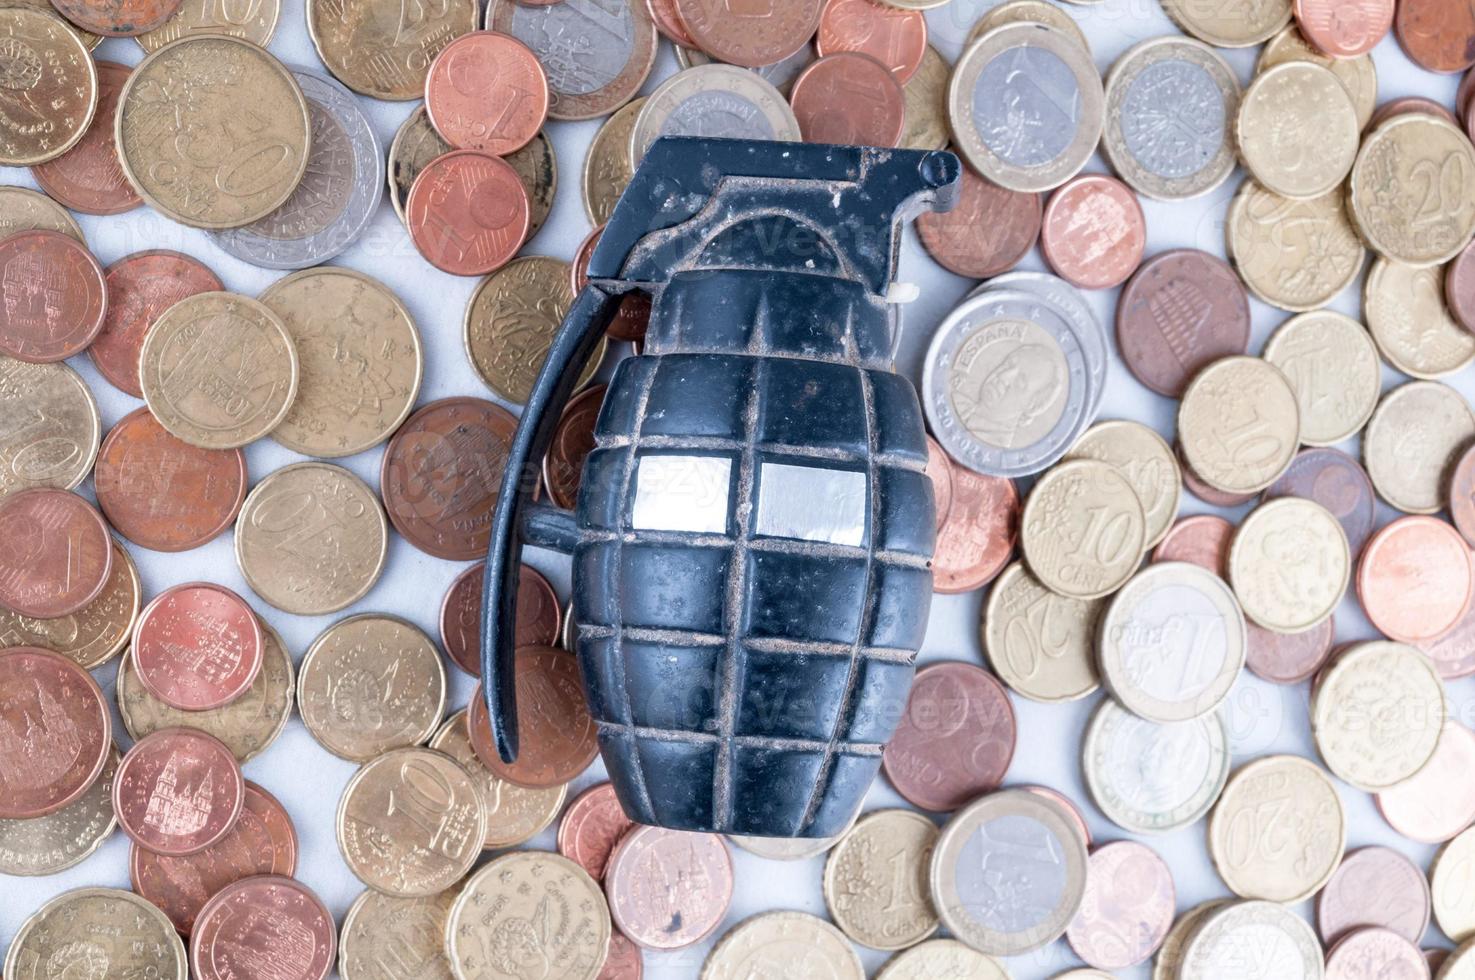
[117,18]
[634,313]
[1374,887]
[1094,232]
[95,633]
[486,91]
[262,842]
[1414,579]
[54,294]
[642,901]
[1200,488]
[442,473]
[940,473]
[1202,540]
[956,739]
[976,540]
[1409,103]
[556,734]
[1438,802]
[573,441]
[592,826]
[88,177]
[468,213]
[538,615]
[1453,652]
[1437,34]
[197,646]
[55,732]
[987,233]
[160,492]
[178,791]
[850,99]
[1375,953]
[140,288]
[623,961]
[1462,495]
[1459,286]
[1344,28]
[1337,482]
[897,38]
[751,34]
[1127,909]
[1288,658]
[1183,309]
[55,552]
[1066,805]
[668,22]
[263,928]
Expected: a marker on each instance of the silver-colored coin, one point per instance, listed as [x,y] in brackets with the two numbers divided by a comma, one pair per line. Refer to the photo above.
[1172,642]
[338,194]
[1008,873]
[780,74]
[1150,778]
[1251,940]
[1025,105]
[788,848]
[1066,300]
[1170,108]
[1006,383]
[714,100]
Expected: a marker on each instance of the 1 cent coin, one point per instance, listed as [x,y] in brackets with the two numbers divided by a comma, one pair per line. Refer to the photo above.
[263,926]
[555,730]
[1182,310]
[468,213]
[486,91]
[54,294]
[140,287]
[94,634]
[197,646]
[538,615]
[592,828]
[57,732]
[1337,482]
[88,177]
[55,552]
[644,905]
[178,791]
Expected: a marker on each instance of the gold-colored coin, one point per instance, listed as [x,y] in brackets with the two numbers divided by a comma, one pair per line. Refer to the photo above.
[608,166]
[1409,322]
[511,321]
[96,932]
[1451,880]
[249,20]
[1232,23]
[1148,463]
[383,48]
[875,882]
[311,538]
[942,958]
[1289,564]
[1358,75]
[1294,254]
[22,209]
[1376,714]
[57,841]
[51,429]
[536,165]
[89,40]
[1028,12]
[791,848]
[794,945]
[1415,435]
[1169,961]
[1460,965]
[530,903]
[1082,531]
[218,370]
[1297,130]
[385,937]
[926,104]
[411,823]
[1239,424]
[194,149]
[1040,643]
[1333,367]
[371,683]
[515,815]
[247,726]
[94,634]
[1412,191]
[1276,806]
[359,360]
[49,93]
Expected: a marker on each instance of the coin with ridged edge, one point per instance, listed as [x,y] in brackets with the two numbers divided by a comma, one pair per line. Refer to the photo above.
[92,635]
[57,841]
[875,882]
[382,933]
[713,100]
[1039,642]
[96,932]
[1412,190]
[515,814]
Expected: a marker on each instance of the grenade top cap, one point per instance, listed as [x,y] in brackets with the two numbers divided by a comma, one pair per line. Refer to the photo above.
[689,190]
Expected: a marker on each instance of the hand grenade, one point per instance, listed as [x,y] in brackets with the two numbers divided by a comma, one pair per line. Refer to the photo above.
[754,527]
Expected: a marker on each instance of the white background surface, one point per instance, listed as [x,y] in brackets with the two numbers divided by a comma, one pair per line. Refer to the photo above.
[308,780]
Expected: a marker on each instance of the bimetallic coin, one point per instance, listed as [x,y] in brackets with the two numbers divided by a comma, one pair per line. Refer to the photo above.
[92,635]
[218,370]
[1172,642]
[1414,579]
[382,50]
[60,840]
[192,153]
[359,357]
[926,104]
[592,828]
[1025,105]
[1297,129]
[337,196]
[941,958]
[468,213]
[713,100]
[1294,254]
[96,932]
[382,933]
[1376,713]
[556,733]
[1127,909]
[1333,367]
[52,426]
[794,945]
[1015,844]
[646,909]
[256,924]
[608,165]
[254,21]
[1170,109]
[1150,777]
[411,823]
[1437,802]
[1040,643]
[1397,218]
[54,296]
[897,38]
[1289,564]
[780,74]
[1277,805]
[1181,311]
[140,288]
[197,646]
[371,683]
[1415,435]
[1082,532]
[1145,460]
[88,177]
[597,53]
[486,91]
[875,881]
[178,791]
[752,36]
[1235,940]
[1239,424]
[1169,961]
[50,91]
[1410,323]
[528,900]
[55,552]
[1451,877]
[514,815]
[1374,887]
[987,232]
